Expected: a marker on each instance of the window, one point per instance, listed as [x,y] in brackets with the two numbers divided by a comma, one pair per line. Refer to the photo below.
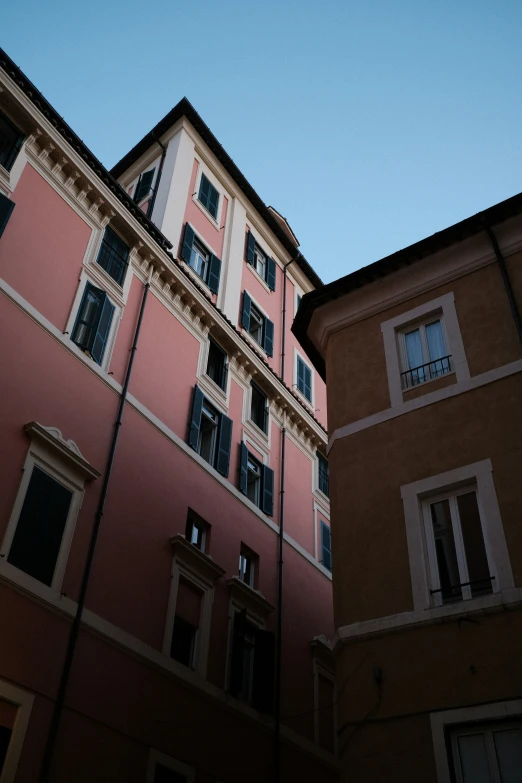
[210,433]
[113,255]
[8,713]
[457,555]
[304,379]
[248,564]
[259,408]
[144,185]
[187,621]
[256,481]
[252,663]
[424,353]
[257,325]
[262,263]
[197,531]
[217,365]
[10,142]
[326,546]
[206,265]
[93,322]
[323,477]
[6,207]
[208,196]
[488,754]
[15,710]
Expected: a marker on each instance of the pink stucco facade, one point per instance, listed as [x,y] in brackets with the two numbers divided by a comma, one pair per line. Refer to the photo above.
[129,700]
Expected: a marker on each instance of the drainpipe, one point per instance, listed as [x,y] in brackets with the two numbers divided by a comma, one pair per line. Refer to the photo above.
[505,277]
[150,208]
[283,326]
[75,628]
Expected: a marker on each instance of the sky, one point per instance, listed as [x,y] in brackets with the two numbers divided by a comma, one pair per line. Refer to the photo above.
[369,124]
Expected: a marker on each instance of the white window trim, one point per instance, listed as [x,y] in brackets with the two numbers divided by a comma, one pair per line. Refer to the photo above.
[440,721]
[192,272]
[131,189]
[481,475]
[259,279]
[247,334]
[24,702]
[218,186]
[63,461]
[156,757]
[97,272]
[315,480]
[320,670]
[309,403]
[403,356]
[257,432]
[116,318]
[319,513]
[219,397]
[443,305]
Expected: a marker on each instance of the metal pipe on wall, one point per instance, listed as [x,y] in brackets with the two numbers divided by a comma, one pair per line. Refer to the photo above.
[505,277]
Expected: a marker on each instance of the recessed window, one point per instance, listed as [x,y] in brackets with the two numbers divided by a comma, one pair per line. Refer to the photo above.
[458,560]
[489,754]
[208,196]
[259,408]
[323,477]
[113,255]
[204,263]
[217,365]
[257,325]
[186,623]
[8,715]
[144,186]
[210,433]
[93,322]
[10,142]
[248,563]
[326,546]
[197,531]
[424,353]
[262,263]
[304,379]
[256,481]
[251,671]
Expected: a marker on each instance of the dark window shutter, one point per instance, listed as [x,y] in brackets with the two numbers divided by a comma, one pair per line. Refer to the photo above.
[269,337]
[195,418]
[271,273]
[188,241]
[204,191]
[300,375]
[6,207]
[88,317]
[235,683]
[144,184]
[326,546]
[243,468]
[250,248]
[102,332]
[213,201]
[214,273]
[263,681]
[245,311]
[268,491]
[40,527]
[225,441]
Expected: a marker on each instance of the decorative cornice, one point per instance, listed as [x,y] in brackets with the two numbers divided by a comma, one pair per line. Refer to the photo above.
[251,599]
[194,559]
[52,438]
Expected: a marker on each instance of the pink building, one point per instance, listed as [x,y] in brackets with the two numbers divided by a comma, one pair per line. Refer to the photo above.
[165,587]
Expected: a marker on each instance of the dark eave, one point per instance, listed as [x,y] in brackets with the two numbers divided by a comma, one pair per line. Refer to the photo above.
[36,97]
[386,266]
[185,109]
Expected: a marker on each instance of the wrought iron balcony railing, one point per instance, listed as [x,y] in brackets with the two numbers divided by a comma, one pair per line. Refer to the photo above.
[426,372]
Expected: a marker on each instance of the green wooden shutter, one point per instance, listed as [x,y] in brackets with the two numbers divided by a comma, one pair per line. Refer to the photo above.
[268,491]
[6,208]
[243,468]
[144,184]
[188,241]
[264,663]
[38,536]
[245,311]
[213,201]
[269,337]
[214,273]
[204,191]
[102,332]
[224,444]
[326,546]
[250,248]
[271,273]
[195,418]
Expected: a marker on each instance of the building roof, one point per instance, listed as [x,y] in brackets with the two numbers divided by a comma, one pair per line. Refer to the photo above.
[385,266]
[185,109]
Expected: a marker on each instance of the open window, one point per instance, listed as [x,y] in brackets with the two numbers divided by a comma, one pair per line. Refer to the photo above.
[210,433]
[256,481]
[204,263]
[260,261]
[258,326]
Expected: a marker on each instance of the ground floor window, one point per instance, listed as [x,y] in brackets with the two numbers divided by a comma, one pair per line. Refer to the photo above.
[485,753]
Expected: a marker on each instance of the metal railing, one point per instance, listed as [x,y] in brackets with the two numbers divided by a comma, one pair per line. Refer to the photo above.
[477,586]
[426,372]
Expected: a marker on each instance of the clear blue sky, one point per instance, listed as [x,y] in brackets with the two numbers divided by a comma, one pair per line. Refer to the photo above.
[369,124]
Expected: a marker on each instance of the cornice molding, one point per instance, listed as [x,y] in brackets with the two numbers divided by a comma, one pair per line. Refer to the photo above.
[251,599]
[195,560]
[52,438]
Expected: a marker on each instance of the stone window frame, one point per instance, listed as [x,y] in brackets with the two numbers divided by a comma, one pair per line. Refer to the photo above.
[24,701]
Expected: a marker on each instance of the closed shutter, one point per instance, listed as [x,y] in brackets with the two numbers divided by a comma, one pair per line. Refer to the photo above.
[235,681]
[195,418]
[224,443]
[243,468]
[102,332]
[214,273]
[271,273]
[6,207]
[326,546]
[268,491]
[245,311]
[144,184]
[40,527]
[250,248]
[263,681]
[269,337]
[213,201]
[188,241]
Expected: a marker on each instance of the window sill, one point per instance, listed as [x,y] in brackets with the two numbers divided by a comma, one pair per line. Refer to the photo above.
[216,394]
[407,393]
[253,342]
[205,211]
[306,401]
[104,279]
[320,494]
[5,181]
[257,430]
[259,278]
[197,279]
[249,598]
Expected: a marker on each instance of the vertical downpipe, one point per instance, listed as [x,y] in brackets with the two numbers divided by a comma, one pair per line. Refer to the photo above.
[75,628]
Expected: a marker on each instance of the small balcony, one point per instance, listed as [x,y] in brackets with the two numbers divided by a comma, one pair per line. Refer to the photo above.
[426,372]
